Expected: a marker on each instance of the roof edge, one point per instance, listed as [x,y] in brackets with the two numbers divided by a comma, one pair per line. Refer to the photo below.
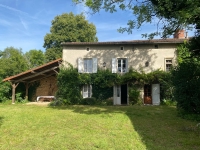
[32,70]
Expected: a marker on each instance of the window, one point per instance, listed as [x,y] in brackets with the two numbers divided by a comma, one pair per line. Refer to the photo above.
[87,65]
[119,65]
[168,64]
[146,64]
[156,46]
[87,91]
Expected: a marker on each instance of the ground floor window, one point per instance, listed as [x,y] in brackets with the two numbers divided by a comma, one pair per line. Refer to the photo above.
[87,91]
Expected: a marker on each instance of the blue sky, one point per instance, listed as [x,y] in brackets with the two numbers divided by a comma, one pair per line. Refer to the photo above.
[24,23]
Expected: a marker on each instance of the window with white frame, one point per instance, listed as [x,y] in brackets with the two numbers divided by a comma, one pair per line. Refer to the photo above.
[168,64]
[87,65]
[119,65]
[87,91]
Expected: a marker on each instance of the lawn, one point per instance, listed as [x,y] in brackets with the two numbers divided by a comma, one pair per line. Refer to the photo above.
[94,127]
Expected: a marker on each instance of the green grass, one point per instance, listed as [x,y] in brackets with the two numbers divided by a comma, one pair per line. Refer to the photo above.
[92,127]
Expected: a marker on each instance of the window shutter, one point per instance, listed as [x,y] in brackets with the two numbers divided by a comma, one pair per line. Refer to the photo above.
[114,94]
[94,62]
[90,90]
[127,69]
[85,91]
[114,65]
[80,65]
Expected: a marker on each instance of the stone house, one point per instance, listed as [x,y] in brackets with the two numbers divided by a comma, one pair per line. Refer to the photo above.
[119,57]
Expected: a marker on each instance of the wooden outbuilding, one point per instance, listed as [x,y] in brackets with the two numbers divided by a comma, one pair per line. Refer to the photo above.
[46,71]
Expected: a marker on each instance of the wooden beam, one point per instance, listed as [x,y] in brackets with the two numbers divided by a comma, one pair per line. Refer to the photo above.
[42,77]
[27,86]
[36,74]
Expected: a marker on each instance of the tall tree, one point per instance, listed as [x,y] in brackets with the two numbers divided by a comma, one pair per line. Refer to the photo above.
[12,62]
[67,28]
[171,14]
[34,58]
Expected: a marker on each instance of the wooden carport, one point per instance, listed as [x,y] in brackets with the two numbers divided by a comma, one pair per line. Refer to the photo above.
[33,75]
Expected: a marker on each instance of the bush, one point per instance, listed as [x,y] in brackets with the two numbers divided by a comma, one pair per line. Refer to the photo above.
[19,99]
[134,94]
[89,101]
[168,102]
[187,90]
[109,101]
[5,89]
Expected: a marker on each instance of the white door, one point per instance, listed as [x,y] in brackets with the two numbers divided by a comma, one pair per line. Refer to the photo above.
[156,94]
[117,95]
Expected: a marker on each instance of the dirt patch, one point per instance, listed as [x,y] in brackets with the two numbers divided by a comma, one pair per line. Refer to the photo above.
[38,103]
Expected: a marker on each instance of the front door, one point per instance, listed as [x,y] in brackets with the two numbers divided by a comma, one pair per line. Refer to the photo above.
[147,94]
[156,94]
[120,94]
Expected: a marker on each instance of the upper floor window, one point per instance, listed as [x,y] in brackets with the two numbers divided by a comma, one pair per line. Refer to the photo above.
[119,65]
[87,65]
[168,64]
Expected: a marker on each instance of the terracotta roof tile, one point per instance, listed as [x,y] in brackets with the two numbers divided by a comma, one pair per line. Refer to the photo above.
[132,42]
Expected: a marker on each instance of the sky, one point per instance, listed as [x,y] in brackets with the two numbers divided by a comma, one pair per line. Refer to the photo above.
[24,23]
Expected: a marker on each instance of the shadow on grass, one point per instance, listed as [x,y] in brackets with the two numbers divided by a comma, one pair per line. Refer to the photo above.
[1,121]
[158,126]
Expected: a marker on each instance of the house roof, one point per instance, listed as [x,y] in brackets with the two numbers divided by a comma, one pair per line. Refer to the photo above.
[37,73]
[133,42]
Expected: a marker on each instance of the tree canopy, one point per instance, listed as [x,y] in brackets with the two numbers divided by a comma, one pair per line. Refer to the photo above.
[34,58]
[67,28]
[12,62]
[171,14]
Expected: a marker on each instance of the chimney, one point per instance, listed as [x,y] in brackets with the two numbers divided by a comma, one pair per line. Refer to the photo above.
[179,34]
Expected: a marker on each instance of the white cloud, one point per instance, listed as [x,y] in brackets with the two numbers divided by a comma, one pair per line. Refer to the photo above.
[13,9]
[5,23]
[23,23]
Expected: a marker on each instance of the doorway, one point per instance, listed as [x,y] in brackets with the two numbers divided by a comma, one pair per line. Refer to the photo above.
[120,95]
[147,94]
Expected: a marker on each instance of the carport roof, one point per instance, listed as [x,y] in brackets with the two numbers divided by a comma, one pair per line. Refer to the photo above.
[37,73]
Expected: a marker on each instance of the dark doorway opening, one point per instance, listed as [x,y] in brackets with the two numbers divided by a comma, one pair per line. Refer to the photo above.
[124,94]
[147,94]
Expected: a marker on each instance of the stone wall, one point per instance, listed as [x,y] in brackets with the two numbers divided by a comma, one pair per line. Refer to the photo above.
[47,87]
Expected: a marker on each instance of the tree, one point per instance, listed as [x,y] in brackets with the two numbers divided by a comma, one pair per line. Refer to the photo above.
[171,14]
[34,58]
[67,28]
[12,62]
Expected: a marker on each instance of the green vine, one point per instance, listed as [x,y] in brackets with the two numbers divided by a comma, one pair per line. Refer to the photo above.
[70,82]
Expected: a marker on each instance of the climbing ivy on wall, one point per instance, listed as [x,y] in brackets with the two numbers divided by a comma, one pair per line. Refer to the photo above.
[70,82]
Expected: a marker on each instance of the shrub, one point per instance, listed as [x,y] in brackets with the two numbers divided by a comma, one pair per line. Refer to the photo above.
[168,102]
[5,89]
[109,101]
[134,94]
[89,101]
[187,90]
[19,99]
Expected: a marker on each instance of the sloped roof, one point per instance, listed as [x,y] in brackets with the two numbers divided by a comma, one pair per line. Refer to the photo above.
[132,42]
[37,73]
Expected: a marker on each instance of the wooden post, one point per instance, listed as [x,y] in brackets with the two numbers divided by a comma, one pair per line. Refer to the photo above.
[27,86]
[13,92]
